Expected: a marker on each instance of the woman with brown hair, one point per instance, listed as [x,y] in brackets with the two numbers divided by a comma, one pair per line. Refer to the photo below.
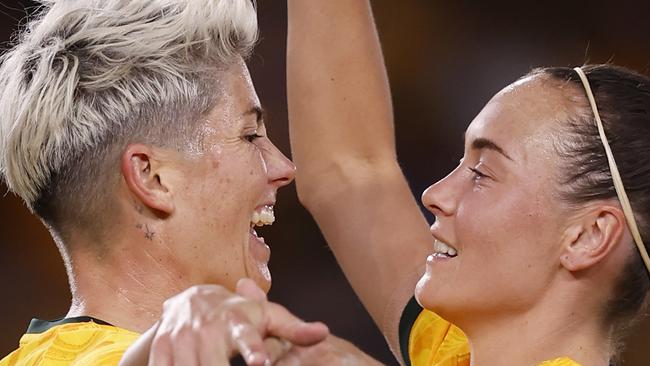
[534,252]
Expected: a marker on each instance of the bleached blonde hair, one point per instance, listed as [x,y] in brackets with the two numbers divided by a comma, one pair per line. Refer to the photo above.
[87,76]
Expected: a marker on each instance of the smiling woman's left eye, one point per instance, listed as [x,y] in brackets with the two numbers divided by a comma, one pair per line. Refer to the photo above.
[252,137]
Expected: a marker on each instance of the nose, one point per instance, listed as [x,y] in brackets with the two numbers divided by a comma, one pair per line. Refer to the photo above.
[440,198]
[280,169]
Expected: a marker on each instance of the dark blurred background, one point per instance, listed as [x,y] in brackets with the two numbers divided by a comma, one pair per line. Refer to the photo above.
[445,60]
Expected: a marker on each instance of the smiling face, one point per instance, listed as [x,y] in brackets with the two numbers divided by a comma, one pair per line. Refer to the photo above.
[227,187]
[498,212]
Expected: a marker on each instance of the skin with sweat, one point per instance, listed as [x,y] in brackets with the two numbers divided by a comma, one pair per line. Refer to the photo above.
[186,217]
[238,172]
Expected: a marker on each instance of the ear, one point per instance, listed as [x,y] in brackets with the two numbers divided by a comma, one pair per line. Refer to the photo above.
[592,237]
[140,170]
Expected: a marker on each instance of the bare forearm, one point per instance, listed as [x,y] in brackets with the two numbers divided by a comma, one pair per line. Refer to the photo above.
[380,239]
[339,100]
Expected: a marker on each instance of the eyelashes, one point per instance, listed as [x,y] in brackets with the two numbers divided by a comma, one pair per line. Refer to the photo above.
[477,175]
[252,137]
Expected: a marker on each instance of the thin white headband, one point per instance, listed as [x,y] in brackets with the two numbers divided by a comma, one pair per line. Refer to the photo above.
[616,176]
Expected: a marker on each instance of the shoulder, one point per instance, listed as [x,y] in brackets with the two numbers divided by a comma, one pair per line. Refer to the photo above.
[77,344]
[430,340]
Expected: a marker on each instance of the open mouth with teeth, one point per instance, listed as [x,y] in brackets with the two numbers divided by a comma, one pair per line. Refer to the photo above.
[443,250]
[261,217]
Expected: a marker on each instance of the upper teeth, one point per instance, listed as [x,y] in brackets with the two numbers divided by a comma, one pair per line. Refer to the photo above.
[263,216]
[443,248]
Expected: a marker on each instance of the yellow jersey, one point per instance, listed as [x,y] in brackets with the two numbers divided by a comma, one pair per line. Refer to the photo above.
[80,341]
[429,340]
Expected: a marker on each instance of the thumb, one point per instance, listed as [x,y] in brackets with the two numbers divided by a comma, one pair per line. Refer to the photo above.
[281,323]
[248,288]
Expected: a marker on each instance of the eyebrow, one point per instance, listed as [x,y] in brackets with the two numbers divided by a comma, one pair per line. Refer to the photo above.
[483,143]
[258,112]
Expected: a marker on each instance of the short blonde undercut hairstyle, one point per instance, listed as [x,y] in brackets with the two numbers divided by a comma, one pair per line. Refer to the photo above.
[86,77]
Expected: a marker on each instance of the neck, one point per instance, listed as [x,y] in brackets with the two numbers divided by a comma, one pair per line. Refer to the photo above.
[125,285]
[560,326]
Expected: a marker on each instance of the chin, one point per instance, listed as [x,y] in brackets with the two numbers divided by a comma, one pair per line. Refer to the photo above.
[431,296]
[420,290]
[260,274]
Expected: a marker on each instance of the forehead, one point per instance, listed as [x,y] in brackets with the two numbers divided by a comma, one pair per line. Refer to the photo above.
[524,117]
[236,96]
[237,85]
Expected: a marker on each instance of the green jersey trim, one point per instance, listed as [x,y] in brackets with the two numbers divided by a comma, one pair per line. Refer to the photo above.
[410,314]
[37,326]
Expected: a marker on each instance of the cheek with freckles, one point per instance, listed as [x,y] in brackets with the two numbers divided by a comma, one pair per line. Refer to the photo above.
[215,155]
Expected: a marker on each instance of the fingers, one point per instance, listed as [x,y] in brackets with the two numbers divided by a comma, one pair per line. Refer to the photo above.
[206,325]
[185,349]
[245,338]
[283,324]
[280,322]
[308,334]
[212,353]
[289,358]
[276,348]
[161,351]
[250,310]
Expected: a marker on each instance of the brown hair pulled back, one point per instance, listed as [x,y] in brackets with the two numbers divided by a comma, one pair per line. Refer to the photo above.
[623,99]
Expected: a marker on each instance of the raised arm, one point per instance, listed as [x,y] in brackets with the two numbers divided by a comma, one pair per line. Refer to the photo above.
[342,138]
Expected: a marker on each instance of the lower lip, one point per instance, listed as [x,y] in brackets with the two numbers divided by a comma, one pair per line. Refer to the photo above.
[257,263]
[437,258]
[259,250]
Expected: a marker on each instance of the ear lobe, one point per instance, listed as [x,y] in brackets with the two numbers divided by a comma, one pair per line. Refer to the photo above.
[139,169]
[592,238]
